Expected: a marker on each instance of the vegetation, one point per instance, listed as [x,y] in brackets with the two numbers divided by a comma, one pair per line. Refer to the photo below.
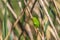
[29,19]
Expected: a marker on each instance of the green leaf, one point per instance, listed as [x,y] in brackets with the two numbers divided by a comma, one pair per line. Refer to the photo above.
[11,17]
[27,37]
[5,28]
[11,37]
[36,22]
[23,18]
[52,10]
[23,4]
[16,32]
[46,25]
[22,38]
[1,15]
[15,6]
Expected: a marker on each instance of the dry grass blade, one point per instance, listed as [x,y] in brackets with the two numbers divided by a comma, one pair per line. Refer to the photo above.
[58,20]
[49,17]
[7,4]
[20,15]
[30,19]
[29,31]
[52,32]
[56,7]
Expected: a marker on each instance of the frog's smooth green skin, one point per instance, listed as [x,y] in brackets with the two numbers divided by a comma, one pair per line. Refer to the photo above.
[36,22]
